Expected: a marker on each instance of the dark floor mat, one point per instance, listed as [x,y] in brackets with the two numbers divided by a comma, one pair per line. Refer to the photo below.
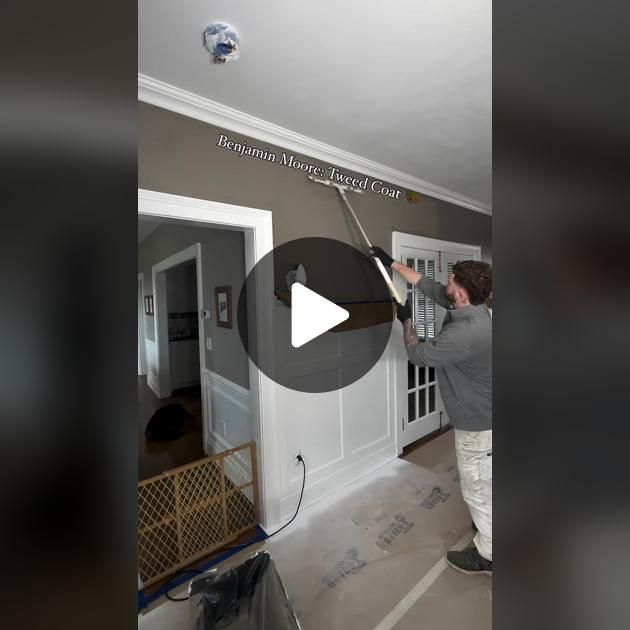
[166,424]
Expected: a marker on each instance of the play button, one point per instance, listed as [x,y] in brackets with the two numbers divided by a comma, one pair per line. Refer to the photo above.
[312,315]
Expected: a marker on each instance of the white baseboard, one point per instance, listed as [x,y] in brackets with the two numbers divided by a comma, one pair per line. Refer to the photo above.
[238,393]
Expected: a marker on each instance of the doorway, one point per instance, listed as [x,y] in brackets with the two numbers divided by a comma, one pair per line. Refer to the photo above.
[171,428]
[419,404]
[182,287]
[256,227]
[179,326]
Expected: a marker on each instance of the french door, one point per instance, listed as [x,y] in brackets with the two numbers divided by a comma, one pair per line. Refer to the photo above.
[425,410]
[420,407]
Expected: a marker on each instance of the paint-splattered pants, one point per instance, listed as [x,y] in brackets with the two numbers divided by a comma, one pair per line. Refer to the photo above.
[474,461]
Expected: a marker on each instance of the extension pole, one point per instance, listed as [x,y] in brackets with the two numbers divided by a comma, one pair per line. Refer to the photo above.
[341,190]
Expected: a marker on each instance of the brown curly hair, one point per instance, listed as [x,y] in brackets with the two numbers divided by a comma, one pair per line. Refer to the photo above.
[476,277]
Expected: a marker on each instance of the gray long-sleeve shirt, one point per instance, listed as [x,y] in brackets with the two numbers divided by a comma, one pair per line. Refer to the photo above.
[461,354]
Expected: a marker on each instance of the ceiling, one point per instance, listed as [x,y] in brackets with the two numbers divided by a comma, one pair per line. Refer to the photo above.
[407,86]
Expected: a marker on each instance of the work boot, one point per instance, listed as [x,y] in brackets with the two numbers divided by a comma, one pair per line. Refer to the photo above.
[469,562]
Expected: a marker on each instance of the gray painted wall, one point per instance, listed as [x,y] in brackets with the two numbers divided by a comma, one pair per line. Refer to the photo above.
[223,254]
[179,155]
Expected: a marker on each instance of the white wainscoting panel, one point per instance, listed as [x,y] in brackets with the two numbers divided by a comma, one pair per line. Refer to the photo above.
[366,407]
[229,417]
[229,423]
[312,425]
[343,435]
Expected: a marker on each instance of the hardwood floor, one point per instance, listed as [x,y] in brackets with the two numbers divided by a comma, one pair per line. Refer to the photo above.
[155,458]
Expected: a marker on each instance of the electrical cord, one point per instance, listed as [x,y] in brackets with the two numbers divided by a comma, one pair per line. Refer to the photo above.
[182,572]
[300,459]
[198,571]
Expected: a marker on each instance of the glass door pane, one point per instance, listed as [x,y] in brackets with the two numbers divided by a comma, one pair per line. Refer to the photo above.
[421,380]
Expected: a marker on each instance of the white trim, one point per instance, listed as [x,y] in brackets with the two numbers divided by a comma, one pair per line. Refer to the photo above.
[238,397]
[214,213]
[402,239]
[229,385]
[388,435]
[142,350]
[258,227]
[172,98]
[177,259]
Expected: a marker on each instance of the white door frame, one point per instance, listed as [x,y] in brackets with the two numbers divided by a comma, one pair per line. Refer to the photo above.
[142,350]
[399,353]
[160,306]
[258,231]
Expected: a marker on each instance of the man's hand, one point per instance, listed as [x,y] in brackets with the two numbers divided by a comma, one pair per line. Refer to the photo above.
[403,312]
[385,258]
[410,275]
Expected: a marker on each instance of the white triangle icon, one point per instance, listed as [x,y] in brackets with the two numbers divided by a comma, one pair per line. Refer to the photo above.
[312,315]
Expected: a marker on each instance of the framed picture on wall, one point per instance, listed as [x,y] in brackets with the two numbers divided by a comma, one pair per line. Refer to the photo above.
[148,305]
[223,298]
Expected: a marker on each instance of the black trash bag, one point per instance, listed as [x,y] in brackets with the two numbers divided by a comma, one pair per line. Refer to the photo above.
[166,424]
[250,596]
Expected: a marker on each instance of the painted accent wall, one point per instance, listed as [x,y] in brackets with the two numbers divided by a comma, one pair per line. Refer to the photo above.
[179,155]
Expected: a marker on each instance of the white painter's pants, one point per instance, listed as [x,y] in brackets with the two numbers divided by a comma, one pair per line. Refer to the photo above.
[474,461]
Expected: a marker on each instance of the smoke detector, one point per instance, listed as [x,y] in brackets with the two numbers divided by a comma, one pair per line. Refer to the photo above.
[222,41]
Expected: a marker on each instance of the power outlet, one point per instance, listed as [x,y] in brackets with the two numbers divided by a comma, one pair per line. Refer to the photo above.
[296,461]
[208,343]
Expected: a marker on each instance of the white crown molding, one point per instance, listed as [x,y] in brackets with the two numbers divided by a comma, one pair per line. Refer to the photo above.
[175,99]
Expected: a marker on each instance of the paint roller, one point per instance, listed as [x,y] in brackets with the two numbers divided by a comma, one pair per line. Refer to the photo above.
[341,189]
